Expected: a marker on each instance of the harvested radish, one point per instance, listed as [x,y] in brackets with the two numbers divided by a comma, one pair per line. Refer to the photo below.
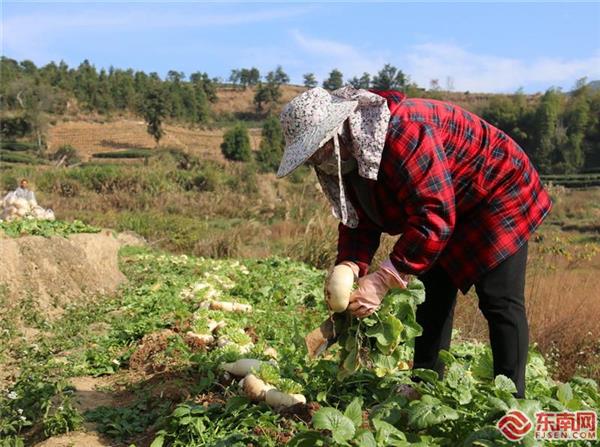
[270,352]
[255,388]
[198,340]
[242,367]
[227,306]
[339,288]
[276,398]
[215,325]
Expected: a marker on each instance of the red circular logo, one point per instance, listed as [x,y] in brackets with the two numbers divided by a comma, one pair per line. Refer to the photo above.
[514,425]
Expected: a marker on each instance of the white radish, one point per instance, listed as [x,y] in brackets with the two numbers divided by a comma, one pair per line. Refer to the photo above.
[339,288]
[227,306]
[276,398]
[242,367]
[215,325]
[222,342]
[245,349]
[21,203]
[21,212]
[11,210]
[270,352]
[255,388]
[199,339]
[38,212]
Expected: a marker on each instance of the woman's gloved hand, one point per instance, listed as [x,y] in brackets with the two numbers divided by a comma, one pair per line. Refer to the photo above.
[372,288]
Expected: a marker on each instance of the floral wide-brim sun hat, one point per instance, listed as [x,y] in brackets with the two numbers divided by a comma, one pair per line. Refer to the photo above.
[309,121]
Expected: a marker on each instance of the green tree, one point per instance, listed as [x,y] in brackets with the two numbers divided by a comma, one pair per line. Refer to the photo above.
[266,94]
[234,77]
[271,145]
[155,110]
[278,76]
[334,81]
[122,88]
[549,134]
[309,80]
[577,121]
[363,82]
[36,100]
[86,84]
[592,135]
[253,76]
[103,99]
[512,115]
[249,77]
[236,143]
[389,78]
[202,81]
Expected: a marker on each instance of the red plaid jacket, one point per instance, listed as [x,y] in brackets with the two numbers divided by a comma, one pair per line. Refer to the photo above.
[459,191]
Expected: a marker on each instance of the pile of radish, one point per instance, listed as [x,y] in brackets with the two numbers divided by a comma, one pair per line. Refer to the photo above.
[14,208]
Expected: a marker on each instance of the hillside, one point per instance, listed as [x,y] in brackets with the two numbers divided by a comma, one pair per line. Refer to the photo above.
[90,135]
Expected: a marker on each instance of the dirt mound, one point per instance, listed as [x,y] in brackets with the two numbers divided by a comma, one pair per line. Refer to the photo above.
[47,273]
[77,439]
[151,355]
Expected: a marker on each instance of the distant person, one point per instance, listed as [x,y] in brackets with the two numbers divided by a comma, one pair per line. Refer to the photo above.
[462,195]
[24,192]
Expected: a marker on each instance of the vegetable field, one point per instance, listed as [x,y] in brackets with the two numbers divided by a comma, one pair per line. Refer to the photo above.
[160,349]
[573,180]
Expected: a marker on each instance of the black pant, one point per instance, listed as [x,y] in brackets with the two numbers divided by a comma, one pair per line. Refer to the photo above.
[501,294]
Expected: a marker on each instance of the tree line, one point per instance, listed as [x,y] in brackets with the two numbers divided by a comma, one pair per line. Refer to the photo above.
[560,131]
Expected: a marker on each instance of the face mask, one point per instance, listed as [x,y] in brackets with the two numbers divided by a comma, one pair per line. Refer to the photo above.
[330,166]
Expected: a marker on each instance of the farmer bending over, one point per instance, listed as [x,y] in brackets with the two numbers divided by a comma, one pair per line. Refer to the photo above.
[462,195]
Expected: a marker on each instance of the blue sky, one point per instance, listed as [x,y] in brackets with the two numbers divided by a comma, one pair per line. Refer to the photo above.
[481,46]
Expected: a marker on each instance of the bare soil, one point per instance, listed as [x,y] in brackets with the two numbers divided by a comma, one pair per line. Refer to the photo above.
[77,439]
[51,272]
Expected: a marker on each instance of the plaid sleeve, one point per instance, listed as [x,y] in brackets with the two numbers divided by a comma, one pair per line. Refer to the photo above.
[358,245]
[424,188]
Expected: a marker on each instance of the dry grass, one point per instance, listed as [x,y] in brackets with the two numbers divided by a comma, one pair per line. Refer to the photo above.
[92,133]
[91,137]
[563,304]
[238,100]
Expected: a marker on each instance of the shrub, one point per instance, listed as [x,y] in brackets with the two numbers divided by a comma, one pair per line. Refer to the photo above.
[68,152]
[195,180]
[18,157]
[129,153]
[14,127]
[183,159]
[59,182]
[68,188]
[244,180]
[236,143]
[8,181]
[271,145]
[17,146]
